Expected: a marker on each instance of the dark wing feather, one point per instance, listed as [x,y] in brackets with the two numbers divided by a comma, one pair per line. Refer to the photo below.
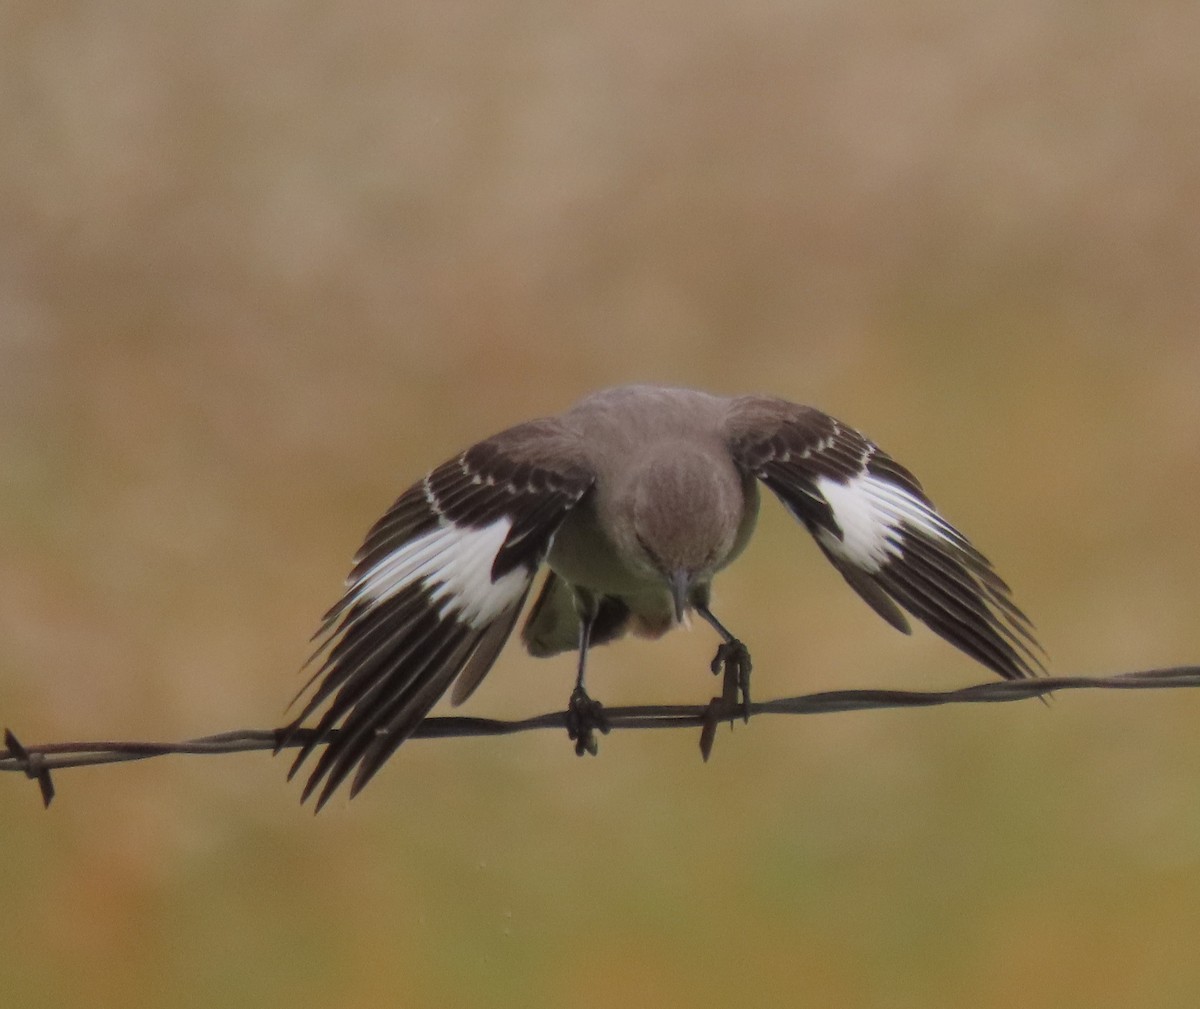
[872,519]
[434,593]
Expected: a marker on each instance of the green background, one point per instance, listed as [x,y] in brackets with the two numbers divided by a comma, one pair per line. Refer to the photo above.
[263,264]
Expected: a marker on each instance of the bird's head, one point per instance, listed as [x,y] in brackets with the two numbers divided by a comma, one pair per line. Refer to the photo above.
[685,516]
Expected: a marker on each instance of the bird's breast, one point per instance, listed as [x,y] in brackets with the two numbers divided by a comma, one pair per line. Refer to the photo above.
[585,555]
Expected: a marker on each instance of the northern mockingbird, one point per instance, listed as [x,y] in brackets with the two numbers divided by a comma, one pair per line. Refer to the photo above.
[634,499]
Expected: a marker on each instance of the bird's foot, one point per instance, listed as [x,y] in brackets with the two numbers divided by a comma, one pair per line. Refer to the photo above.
[584,717]
[732,658]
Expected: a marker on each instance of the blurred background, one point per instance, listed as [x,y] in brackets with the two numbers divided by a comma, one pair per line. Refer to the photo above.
[263,264]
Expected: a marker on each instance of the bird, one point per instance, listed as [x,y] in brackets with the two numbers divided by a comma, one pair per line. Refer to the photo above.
[631,500]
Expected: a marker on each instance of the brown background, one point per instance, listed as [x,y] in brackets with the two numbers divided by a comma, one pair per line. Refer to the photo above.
[262,264]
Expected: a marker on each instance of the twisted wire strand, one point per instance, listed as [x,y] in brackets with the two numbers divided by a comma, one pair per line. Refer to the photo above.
[37,761]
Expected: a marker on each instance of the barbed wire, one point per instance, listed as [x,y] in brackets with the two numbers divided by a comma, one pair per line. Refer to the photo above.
[37,761]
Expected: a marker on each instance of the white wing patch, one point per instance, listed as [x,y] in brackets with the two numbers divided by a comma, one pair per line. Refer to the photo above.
[454,565]
[872,513]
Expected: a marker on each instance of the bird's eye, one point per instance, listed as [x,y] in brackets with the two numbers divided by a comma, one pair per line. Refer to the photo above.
[646,549]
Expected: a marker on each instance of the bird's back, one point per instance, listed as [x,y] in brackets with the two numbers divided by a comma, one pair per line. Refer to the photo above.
[632,420]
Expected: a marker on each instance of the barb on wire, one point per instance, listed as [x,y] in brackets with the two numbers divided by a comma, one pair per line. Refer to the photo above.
[36,762]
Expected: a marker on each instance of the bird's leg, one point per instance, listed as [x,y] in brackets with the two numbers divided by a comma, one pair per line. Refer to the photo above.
[732,657]
[585,716]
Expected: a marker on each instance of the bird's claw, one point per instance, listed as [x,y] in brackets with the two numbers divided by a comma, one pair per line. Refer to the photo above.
[733,658]
[584,717]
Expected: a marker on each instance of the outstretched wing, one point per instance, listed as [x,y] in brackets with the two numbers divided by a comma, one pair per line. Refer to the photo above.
[873,521]
[433,596]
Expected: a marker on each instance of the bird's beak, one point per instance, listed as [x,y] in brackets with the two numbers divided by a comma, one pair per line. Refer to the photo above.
[681,585]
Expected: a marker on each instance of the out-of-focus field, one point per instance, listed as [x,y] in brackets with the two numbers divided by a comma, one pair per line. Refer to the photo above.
[262,264]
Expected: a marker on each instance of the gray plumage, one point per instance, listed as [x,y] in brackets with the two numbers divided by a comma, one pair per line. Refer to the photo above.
[633,499]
